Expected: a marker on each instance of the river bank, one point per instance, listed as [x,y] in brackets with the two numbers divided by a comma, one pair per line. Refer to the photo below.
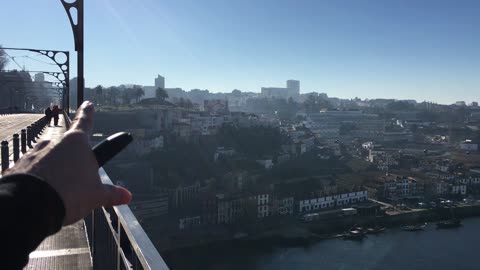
[309,233]
[298,233]
[395,249]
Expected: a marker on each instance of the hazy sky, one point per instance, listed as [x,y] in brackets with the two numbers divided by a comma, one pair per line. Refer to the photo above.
[426,50]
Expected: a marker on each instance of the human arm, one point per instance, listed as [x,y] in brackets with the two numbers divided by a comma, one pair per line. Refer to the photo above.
[67,167]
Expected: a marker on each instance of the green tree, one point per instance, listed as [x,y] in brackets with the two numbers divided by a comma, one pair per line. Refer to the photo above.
[127,95]
[345,128]
[315,104]
[98,90]
[236,92]
[184,103]
[255,142]
[161,94]
[139,93]
[114,94]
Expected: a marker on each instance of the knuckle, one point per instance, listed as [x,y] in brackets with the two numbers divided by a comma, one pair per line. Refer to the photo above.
[74,136]
[81,117]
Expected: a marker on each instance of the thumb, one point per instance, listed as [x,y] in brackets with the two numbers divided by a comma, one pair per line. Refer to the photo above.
[115,195]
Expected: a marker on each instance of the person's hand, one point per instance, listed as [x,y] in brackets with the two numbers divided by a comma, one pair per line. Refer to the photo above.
[69,166]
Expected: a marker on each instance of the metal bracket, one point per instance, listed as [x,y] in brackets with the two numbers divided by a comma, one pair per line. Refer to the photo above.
[64,66]
[77,29]
[77,26]
[57,76]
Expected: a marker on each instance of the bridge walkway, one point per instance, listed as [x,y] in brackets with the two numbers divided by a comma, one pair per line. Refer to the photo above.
[67,249]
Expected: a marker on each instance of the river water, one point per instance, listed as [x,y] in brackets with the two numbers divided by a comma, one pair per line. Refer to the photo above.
[394,249]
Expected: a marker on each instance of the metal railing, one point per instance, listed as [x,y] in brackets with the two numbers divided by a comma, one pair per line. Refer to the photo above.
[116,238]
[21,141]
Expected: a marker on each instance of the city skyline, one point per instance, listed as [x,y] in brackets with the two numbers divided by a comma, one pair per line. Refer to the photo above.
[423,51]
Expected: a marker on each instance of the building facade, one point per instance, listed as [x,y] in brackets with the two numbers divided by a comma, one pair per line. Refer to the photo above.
[334,124]
[401,187]
[291,91]
[342,199]
[263,205]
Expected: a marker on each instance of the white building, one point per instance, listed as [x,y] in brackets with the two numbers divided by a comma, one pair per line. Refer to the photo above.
[263,205]
[160,82]
[459,189]
[151,91]
[468,145]
[367,145]
[291,91]
[208,125]
[400,187]
[444,188]
[328,124]
[332,201]
[316,204]
[294,86]
[39,77]
[350,198]
[469,180]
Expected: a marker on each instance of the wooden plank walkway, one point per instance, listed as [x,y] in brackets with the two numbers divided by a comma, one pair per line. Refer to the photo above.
[13,123]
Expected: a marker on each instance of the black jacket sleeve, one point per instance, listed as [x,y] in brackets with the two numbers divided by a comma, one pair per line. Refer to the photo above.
[30,210]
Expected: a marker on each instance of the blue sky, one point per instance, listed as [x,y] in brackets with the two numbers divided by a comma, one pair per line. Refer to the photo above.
[420,49]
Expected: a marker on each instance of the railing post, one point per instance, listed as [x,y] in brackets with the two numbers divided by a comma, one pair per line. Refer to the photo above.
[90,230]
[43,121]
[35,131]
[16,147]
[5,161]
[39,127]
[29,136]
[23,140]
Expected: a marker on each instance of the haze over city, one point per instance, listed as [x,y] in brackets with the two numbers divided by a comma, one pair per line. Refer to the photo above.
[263,135]
[423,50]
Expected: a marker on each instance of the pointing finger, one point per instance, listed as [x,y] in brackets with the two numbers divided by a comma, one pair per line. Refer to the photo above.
[115,195]
[83,120]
